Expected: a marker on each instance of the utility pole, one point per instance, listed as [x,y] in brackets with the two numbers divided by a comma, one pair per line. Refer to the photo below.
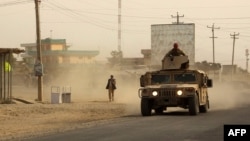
[119,25]
[120,54]
[38,65]
[177,17]
[212,27]
[234,37]
[247,59]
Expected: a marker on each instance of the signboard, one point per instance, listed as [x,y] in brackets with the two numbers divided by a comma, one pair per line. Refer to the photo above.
[163,36]
[38,69]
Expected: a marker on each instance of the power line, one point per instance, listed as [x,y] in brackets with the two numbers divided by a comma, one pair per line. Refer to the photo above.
[15,3]
[114,15]
[83,15]
[229,18]
[76,15]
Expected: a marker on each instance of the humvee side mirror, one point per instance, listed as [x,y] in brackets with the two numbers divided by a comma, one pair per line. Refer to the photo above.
[209,83]
[142,83]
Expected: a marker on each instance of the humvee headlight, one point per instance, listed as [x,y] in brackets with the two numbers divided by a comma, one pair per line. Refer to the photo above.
[154,93]
[179,92]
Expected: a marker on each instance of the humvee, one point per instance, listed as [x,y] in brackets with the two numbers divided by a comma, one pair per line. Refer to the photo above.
[175,85]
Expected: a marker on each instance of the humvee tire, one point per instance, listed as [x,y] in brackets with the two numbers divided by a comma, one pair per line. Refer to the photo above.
[204,108]
[146,107]
[193,105]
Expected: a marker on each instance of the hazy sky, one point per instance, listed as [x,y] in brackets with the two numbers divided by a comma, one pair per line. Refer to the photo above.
[93,24]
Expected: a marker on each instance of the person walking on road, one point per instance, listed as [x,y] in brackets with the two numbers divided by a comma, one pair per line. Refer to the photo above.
[111,86]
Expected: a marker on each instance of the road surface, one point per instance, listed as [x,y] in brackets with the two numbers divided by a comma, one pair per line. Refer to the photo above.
[176,125]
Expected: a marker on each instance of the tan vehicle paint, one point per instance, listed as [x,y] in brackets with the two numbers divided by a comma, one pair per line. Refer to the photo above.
[174,86]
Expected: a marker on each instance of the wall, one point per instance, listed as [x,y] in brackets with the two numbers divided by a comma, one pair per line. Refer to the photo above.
[163,37]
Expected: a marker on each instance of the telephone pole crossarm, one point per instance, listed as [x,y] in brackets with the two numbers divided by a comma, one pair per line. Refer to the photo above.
[177,17]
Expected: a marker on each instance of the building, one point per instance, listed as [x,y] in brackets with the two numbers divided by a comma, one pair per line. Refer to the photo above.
[55,54]
[163,36]
[131,62]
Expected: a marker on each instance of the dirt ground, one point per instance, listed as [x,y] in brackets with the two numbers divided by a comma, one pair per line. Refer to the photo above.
[88,105]
[27,120]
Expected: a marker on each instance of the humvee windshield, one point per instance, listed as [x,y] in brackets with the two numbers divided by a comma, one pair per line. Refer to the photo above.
[186,77]
[160,79]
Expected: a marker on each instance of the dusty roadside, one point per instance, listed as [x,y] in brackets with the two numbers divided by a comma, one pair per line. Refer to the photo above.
[27,120]
[89,106]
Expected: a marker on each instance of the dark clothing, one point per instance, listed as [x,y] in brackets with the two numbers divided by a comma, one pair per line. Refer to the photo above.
[175,52]
[111,86]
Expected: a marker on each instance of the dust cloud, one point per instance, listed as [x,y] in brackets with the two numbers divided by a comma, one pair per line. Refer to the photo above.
[89,83]
[228,95]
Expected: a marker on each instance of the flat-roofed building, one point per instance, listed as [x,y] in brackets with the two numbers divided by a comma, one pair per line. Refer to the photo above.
[55,53]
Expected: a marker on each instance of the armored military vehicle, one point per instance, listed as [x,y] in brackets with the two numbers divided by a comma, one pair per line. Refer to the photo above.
[175,85]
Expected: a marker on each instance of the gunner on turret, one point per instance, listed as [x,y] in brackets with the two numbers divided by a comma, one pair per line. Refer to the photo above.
[175,51]
[175,59]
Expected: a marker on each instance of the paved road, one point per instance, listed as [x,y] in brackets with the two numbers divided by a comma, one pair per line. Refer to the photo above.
[176,125]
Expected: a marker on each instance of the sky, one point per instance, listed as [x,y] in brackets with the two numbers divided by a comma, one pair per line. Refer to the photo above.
[93,25]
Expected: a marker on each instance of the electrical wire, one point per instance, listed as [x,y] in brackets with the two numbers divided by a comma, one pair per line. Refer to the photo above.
[16,2]
[78,16]
[84,18]
[128,20]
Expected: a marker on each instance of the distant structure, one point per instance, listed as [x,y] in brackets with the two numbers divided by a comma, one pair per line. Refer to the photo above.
[132,62]
[55,53]
[56,58]
[163,36]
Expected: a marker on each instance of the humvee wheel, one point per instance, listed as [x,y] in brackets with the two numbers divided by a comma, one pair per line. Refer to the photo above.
[204,108]
[193,105]
[146,107]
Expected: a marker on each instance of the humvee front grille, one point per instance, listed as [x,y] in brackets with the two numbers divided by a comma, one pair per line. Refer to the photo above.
[167,93]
